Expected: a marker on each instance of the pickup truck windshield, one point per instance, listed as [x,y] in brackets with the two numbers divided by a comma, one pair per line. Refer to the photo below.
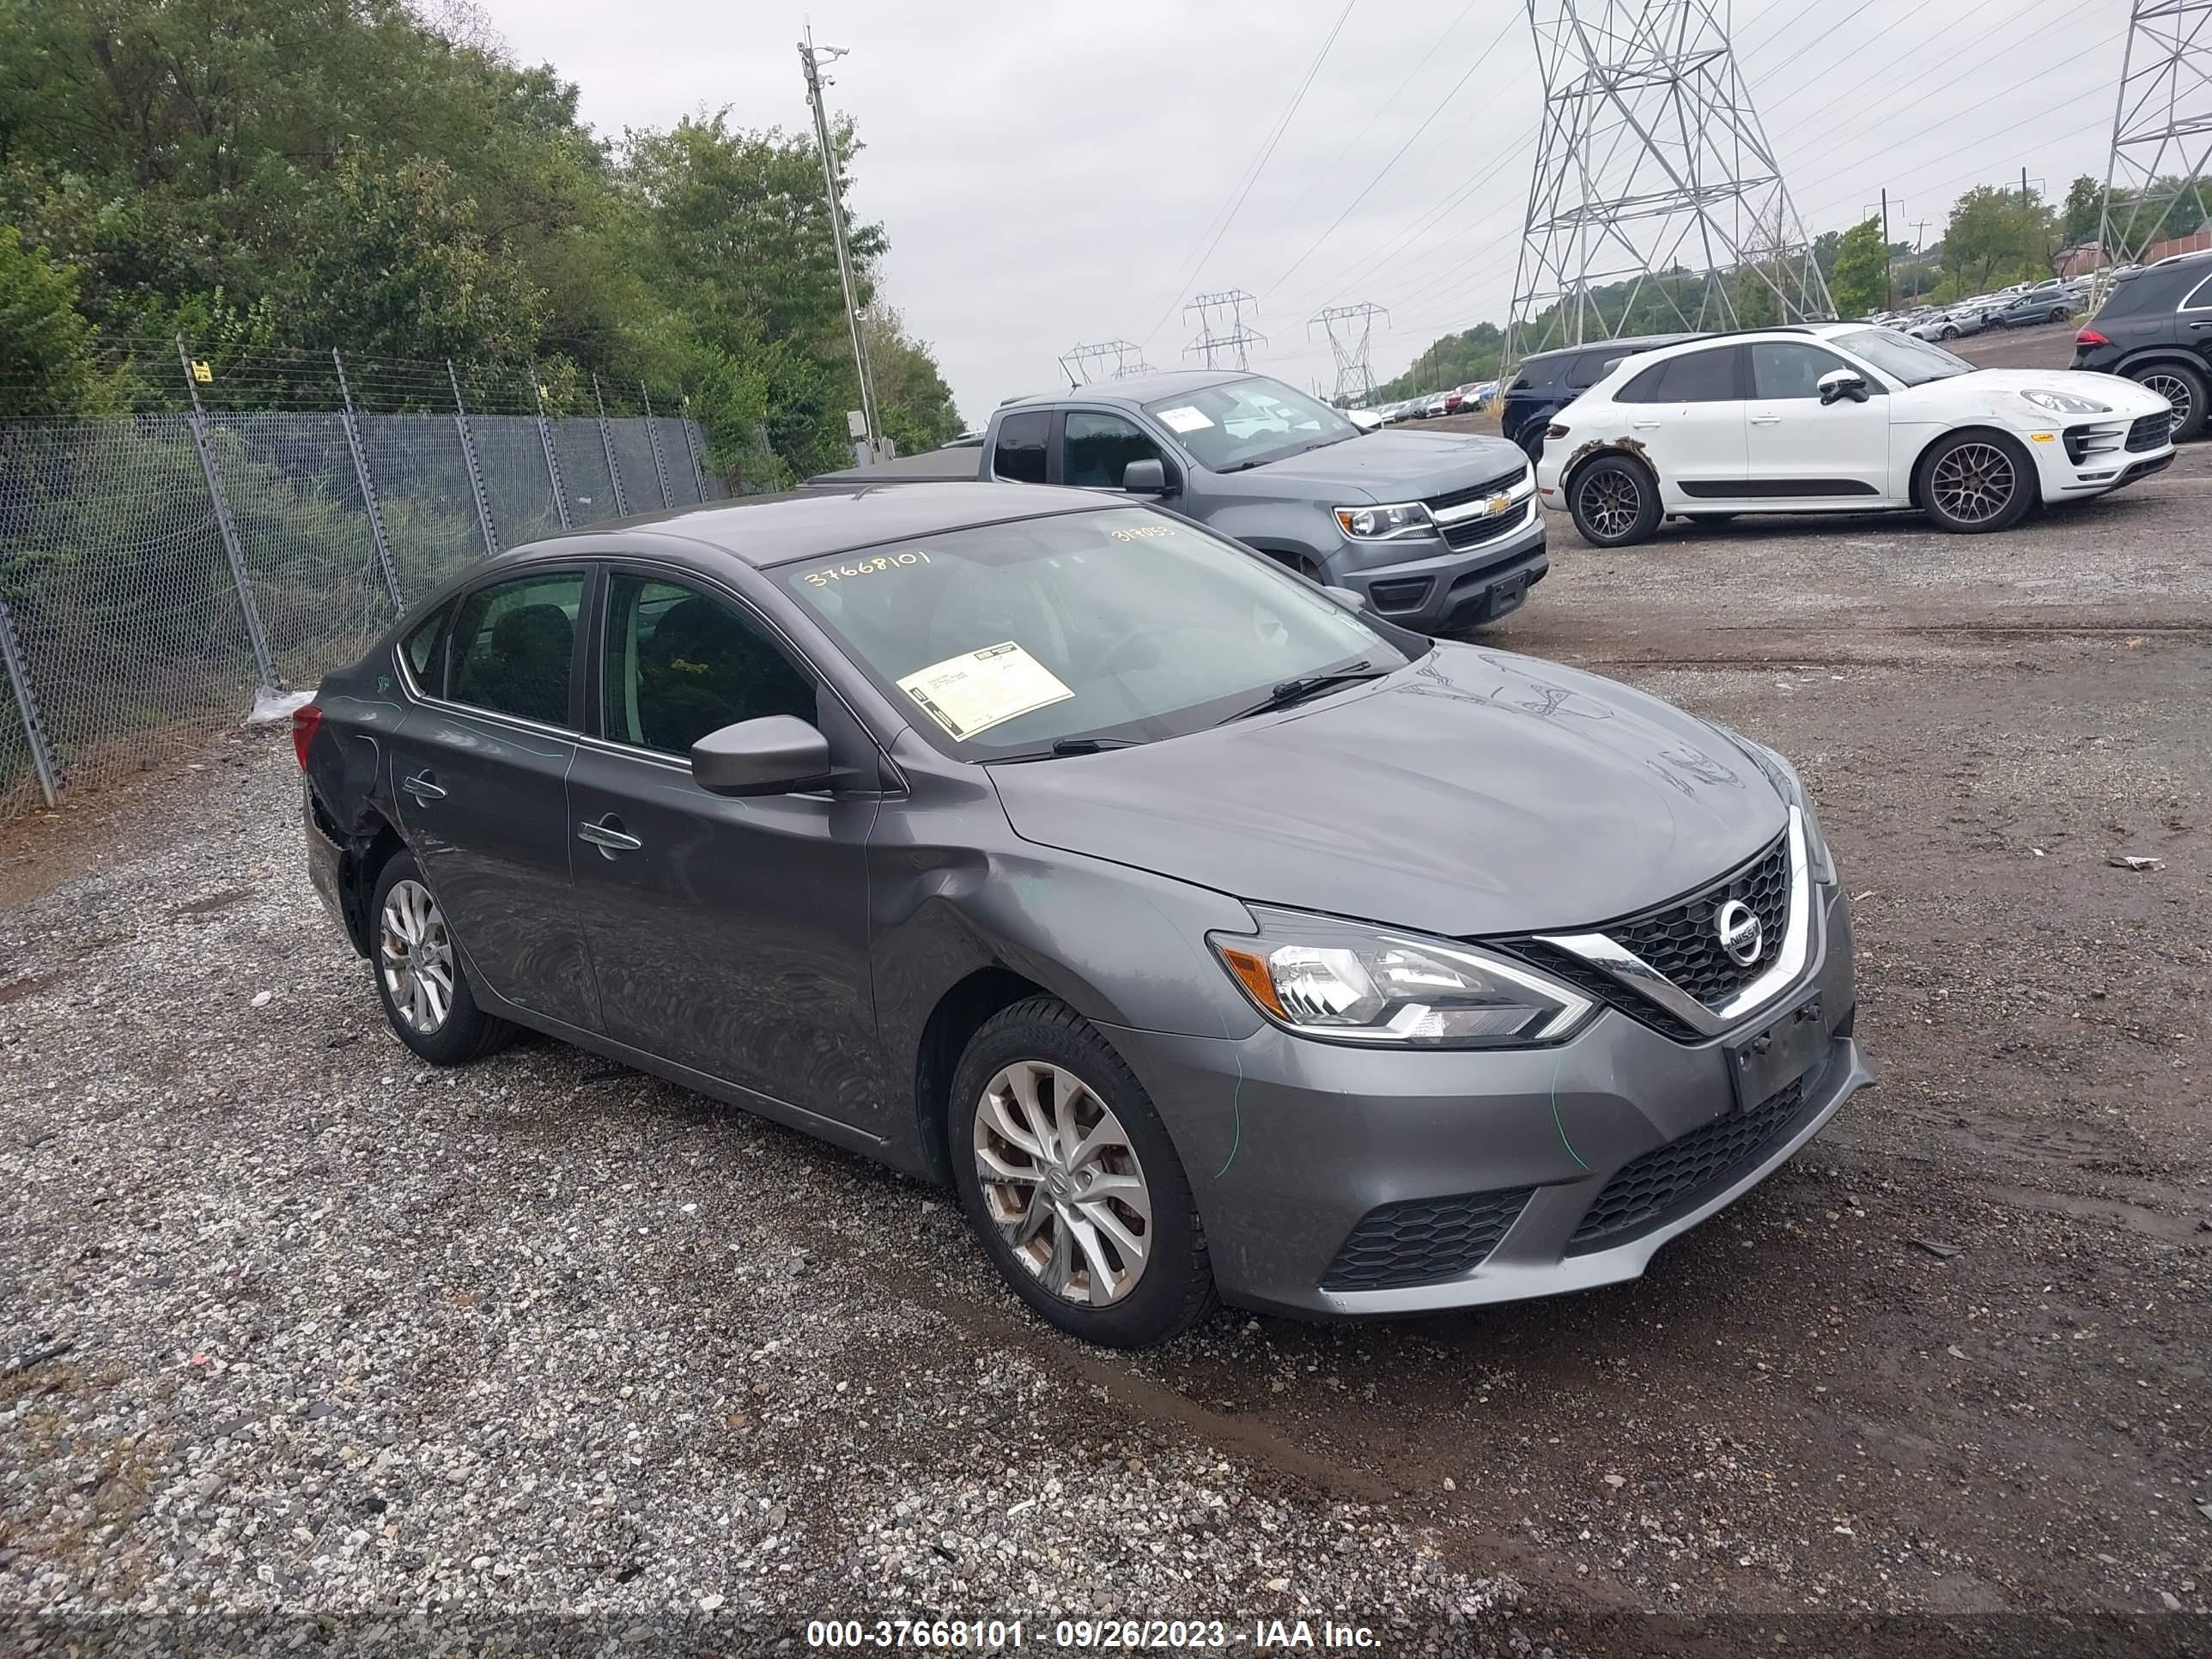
[1124,624]
[1248,423]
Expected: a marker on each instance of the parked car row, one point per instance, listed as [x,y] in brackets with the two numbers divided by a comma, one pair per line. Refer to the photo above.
[2022,305]
[1468,400]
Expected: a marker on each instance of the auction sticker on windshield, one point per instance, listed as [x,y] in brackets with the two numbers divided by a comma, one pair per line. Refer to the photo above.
[1186,419]
[979,690]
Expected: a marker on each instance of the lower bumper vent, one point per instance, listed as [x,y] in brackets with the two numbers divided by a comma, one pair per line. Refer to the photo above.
[1424,1240]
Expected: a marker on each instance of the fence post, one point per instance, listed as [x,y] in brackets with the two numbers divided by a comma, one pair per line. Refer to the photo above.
[607,443]
[27,702]
[255,635]
[552,460]
[691,443]
[469,460]
[652,436]
[368,486]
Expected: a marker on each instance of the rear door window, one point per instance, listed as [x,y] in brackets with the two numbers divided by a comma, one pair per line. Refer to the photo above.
[421,647]
[513,646]
[1019,456]
[1702,377]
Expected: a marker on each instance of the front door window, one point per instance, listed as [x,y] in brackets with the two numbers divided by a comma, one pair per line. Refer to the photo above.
[680,665]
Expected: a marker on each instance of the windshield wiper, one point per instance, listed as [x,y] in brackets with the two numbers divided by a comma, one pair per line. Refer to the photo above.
[1062,746]
[1306,685]
[1287,454]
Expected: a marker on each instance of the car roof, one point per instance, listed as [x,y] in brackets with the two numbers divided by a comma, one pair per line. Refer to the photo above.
[1641,342]
[762,531]
[1140,388]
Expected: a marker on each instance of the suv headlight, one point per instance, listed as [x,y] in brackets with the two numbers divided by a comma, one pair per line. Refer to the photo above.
[1383,524]
[1323,978]
[2065,402]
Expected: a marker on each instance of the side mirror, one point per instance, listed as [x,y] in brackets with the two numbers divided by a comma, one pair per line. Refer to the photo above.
[1350,599]
[1840,383]
[774,755]
[1144,477]
[1365,419]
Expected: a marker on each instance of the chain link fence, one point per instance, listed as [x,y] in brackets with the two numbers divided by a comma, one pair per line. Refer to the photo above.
[159,571]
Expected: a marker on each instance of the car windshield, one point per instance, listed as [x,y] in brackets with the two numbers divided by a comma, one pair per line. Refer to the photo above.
[1902,357]
[1123,625]
[1246,423]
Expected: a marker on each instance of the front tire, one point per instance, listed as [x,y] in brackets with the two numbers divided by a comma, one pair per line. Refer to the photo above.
[2182,386]
[419,976]
[1069,1178]
[1974,482]
[1614,502]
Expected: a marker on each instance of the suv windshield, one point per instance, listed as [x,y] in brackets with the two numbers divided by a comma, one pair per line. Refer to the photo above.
[1248,423]
[1903,358]
[1122,624]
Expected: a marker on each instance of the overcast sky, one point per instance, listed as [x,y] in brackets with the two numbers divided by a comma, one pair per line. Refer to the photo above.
[1052,173]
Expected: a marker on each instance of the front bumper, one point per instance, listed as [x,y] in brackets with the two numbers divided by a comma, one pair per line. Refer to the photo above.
[1438,586]
[1290,1143]
[2079,458]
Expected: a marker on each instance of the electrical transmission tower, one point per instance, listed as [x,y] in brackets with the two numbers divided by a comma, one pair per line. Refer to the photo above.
[1355,380]
[1225,345]
[2162,128]
[1127,359]
[1654,181]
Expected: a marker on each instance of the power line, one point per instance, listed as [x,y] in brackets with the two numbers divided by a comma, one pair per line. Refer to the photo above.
[1251,176]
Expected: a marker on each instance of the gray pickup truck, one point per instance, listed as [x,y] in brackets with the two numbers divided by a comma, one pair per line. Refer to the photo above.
[1434,530]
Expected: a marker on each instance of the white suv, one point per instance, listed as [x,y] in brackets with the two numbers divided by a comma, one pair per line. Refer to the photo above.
[1833,418]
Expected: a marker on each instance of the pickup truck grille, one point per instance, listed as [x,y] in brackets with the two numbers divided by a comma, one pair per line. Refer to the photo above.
[1476,532]
[1452,498]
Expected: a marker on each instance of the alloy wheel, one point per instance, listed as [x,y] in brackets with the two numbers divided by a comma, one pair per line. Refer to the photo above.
[1062,1183]
[1974,483]
[1610,502]
[415,954]
[2177,391]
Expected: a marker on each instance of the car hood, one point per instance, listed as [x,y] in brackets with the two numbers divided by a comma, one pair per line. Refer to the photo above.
[1995,391]
[1473,792]
[1395,465]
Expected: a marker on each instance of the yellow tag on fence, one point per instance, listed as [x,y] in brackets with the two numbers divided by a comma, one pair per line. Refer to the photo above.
[202,372]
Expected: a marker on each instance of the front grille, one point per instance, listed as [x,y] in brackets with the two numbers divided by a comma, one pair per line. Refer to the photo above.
[1452,498]
[1423,1241]
[1680,941]
[1476,532]
[2149,432]
[1678,1176]
[1593,981]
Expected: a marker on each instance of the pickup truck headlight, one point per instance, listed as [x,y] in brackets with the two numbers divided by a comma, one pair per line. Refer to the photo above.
[1337,980]
[2065,402]
[1383,524]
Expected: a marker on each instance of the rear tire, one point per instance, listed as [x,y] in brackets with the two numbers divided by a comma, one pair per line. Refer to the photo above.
[1614,502]
[1043,1113]
[418,973]
[1973,482]
[2182,386]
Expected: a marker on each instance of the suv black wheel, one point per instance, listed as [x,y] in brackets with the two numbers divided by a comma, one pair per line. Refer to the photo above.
[1069,1178]
[1614,502]
[418,973]
[2182,386]
[1975,481]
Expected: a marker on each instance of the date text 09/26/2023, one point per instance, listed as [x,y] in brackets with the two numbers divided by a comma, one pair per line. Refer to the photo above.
[1002,1635]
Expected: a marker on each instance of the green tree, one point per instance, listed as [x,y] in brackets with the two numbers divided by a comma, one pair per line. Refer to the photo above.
[1858,284]
[46,365]
[2079,215]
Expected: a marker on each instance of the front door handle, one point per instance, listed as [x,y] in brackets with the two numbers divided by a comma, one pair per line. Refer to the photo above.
[608,836]
[423,787]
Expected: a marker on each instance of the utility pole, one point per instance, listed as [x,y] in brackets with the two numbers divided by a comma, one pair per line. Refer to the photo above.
[1355,379]
[1076,362]
[1650,159]
[1889,277]
[1209,344]
[811,59]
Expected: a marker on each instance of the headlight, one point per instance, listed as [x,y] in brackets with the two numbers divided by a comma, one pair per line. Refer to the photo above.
[1791,787]
[1333,979]
[2066,403]
[1381,524]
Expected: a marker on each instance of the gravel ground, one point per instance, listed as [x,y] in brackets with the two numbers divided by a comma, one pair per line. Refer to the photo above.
[295,1330]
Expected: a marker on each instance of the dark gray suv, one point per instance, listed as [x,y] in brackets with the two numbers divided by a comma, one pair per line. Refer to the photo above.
[1210,936]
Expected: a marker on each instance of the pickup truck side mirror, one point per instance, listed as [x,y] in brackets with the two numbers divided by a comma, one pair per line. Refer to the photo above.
[1144,477]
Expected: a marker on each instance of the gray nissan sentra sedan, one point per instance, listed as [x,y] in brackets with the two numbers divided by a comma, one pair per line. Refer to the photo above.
[1211,938]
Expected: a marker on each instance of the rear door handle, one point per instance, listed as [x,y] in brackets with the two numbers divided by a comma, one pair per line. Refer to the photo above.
[2206,324]
[608,836]
[1645,426]
[423,787]
[1762,418]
